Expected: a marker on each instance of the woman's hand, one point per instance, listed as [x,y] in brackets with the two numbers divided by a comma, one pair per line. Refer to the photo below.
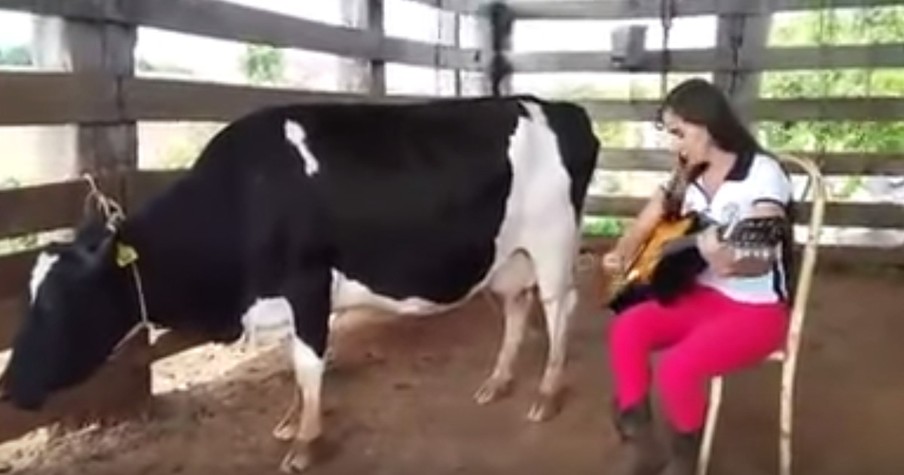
[613,262]
[723,260]
[719,256]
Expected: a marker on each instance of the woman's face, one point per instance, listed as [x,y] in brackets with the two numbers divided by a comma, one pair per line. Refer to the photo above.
[690,140]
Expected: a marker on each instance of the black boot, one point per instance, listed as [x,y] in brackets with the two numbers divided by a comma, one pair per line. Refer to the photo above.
[684,451]
[640,454]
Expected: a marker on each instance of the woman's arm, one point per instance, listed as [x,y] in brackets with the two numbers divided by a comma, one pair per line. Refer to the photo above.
[628,244]
[772,190]
[721,258]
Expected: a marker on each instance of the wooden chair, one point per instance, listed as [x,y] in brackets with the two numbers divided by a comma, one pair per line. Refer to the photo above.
[787,356]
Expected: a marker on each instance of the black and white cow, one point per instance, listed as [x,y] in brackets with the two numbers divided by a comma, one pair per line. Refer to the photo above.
[296,213]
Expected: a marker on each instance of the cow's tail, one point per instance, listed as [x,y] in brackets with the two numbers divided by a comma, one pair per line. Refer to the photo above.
[501,21]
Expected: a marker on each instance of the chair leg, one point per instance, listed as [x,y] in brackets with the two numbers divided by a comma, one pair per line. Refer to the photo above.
[786,418]
[712,418]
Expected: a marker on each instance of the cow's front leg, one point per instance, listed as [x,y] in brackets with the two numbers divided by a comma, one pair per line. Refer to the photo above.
[309,296]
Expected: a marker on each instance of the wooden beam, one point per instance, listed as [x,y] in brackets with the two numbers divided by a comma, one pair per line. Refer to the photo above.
[55,98]
[847,163]
[234,22]
[525,9]
[105,50]
[376,24]
[875,109]
[153,99]
[866,215]
[719,60]
[363,75]
[41,208]
[632,9]
[15,272]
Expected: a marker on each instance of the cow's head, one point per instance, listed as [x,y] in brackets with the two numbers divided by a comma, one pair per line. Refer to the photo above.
[78,311]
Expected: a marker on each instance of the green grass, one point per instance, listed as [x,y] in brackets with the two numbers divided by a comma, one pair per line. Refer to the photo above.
[603,226]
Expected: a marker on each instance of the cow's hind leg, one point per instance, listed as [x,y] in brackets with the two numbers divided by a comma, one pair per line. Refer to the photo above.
[309,297]
[558,294]
[286,428]
[309,377]
[513,283]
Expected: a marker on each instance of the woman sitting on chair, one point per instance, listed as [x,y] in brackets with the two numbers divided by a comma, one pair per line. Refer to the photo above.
[732,316]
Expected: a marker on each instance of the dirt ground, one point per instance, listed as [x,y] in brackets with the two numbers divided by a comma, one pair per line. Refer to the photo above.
[399,401]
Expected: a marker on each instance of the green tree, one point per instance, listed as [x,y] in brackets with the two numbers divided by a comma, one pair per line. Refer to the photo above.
[263,64]
[16,56]
[827,28]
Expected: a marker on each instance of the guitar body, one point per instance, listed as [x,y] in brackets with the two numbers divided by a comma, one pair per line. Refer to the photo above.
[647,276]
[668,262]
[643,266]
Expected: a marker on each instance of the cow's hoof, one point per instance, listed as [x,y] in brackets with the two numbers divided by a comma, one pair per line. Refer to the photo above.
[303,454]
[299,458]
[285,430]
[493,389]
[545,407]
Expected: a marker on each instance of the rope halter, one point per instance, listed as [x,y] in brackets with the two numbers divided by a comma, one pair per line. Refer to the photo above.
[125,254]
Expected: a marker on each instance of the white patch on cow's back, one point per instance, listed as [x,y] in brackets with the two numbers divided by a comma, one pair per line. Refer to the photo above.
[296,136]
[43,264]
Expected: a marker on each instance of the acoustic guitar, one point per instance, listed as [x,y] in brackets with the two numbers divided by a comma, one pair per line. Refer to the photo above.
[668,260]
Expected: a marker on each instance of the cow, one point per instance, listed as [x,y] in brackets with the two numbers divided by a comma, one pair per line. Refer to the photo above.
[297,213]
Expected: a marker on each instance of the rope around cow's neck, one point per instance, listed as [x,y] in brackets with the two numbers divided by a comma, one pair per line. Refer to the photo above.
[113,215]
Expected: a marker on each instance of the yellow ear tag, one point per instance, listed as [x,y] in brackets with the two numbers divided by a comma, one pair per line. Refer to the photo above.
[125,254]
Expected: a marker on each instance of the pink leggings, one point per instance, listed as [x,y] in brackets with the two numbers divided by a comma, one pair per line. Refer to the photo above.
[704,334]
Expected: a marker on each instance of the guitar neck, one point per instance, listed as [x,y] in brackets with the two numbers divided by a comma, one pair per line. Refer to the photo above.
[680,244]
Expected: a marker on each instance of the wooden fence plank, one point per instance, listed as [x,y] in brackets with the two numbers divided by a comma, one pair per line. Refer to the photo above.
[707,60]
[154,99]
[848,163]
[867,215]
[54,98]
[77,98]
[632,9]
[235,22]
[884,109]
[15,271]
[40,208]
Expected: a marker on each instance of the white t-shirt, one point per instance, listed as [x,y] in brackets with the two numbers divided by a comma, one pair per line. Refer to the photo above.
[752,179]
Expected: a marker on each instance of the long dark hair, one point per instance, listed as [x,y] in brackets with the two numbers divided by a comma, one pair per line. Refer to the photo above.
[700,102]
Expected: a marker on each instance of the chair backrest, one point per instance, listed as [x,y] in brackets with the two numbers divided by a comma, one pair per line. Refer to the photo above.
[817,188]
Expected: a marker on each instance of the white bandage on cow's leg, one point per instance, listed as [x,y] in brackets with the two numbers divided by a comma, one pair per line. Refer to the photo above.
[309,376]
